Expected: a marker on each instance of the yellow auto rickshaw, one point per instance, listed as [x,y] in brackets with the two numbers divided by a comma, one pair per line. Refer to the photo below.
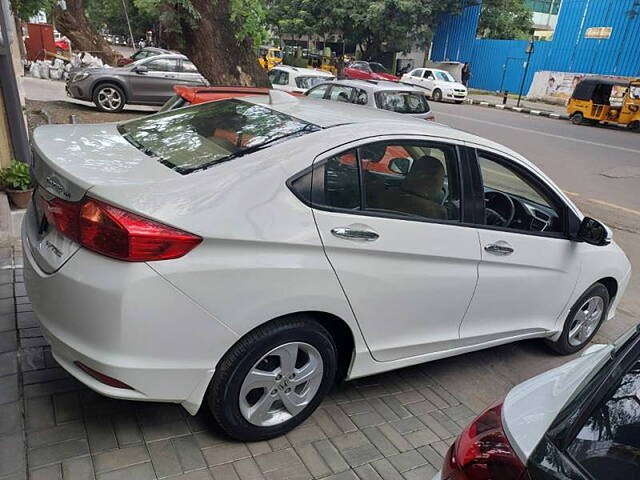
[591,102]
[269,57]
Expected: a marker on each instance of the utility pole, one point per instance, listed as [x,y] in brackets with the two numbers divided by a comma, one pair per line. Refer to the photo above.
[529,52]
[9,88]
[133,42]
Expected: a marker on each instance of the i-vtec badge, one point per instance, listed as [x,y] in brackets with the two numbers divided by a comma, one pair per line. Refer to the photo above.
[56,184]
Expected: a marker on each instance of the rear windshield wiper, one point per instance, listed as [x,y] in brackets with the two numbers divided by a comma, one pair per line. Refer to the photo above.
[254,148]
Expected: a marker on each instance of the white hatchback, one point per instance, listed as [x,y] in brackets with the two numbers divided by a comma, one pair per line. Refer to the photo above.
[296,79]
[252,251]
[439,84]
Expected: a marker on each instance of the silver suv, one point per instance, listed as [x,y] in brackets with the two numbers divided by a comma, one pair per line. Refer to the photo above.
[385,95]
[148,81]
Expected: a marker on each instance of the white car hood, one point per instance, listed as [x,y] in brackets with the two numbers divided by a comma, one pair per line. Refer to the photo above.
[446,85]
[531,407]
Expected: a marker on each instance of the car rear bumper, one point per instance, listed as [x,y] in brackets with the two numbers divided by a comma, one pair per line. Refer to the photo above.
[127,322]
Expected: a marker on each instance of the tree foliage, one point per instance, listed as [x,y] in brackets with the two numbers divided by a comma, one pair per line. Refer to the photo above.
[505,19]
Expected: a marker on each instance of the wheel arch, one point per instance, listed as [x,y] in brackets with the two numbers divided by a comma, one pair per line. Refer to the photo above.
[111,81]
[611,284]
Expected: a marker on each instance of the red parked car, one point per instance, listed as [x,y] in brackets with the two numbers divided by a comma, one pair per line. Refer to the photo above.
[360,70]
[192,95]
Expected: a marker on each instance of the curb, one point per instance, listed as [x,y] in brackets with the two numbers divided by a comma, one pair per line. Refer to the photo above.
[527,111]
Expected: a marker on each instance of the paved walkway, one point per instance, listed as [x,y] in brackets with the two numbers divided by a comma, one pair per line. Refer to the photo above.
[540,106]
[392,426]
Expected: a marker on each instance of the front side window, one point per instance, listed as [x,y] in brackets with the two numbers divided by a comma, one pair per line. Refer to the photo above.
[428,74]
[514,201]
[417,73]
[317,92]
[190,139]
[608,444]
[340,93]
[279,77]
[402,102]
[162,65]
[361,97]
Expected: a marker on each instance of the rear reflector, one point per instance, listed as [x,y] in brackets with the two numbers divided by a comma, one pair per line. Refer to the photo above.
[116,233]
[101,377]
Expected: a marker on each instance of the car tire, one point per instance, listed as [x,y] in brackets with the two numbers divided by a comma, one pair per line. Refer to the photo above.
[109,98]
[459,102]
[577,118]
[583,321]
[255,394]
[635,126]
[437,95]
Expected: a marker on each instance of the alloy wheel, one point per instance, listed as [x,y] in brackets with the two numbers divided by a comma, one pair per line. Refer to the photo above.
[586,320]
[109,98]
[281,384]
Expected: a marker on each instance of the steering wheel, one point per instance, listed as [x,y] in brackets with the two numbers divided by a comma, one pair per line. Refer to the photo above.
[499,209]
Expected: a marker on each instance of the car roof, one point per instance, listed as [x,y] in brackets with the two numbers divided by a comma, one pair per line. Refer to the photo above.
[379,85]
[164,55]
[156,49]
[304,71]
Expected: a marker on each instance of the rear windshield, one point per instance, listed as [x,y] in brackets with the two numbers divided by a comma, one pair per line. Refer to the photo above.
[200,136]
[308,82]
[402,102]
[377,68]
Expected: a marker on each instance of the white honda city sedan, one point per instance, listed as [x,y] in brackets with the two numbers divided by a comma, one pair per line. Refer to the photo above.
[250,252]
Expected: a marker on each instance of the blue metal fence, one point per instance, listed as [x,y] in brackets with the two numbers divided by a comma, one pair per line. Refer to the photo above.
[499,64]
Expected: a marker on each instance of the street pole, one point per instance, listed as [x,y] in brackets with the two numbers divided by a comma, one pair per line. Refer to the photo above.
[529,52]
[9,89]
[133,42]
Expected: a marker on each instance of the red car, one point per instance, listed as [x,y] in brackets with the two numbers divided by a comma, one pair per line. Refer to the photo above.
[192,95]
[62,45]
[359,70]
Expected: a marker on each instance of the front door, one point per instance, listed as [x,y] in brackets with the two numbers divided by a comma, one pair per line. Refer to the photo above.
[155,86]
[390,221]
[529,267]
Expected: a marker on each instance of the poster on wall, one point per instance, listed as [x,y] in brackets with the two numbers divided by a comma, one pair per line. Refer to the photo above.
[557,87]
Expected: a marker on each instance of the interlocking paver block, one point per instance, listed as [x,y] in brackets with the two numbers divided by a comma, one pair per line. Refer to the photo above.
[67,407]
[197,475]
[394,437]
[313,461]
[9,389]
[189,453]
[394,404]
[423,437]
[386,470]
[294,472]
[101,434]
[78,469]
[407,460]
[208,438]
[162,431]
[446,396]
[348,475]
[8,363]
[39,413]
[225,453]
[425,472]
[10,418]
[126,429]
[121,458]
[361,455]
[383,409]
[305,434]
[411,396]
[458,412]
[247,469]
[164,458]
[143,471]
[331,456]
[258,448]
[367,472]
[224,472]
[11,454]
[435,426]
[60,433]
[420,408]
[433,457]
[279,443]
[277,460]
[407,425]
[368,419]
[326,423]
[340,418]
[381,442]
[52,472]
[58,452]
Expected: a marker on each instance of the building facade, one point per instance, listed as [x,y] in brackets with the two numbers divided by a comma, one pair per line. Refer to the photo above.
[588,36]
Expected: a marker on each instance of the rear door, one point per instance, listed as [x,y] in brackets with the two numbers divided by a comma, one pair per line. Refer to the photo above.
[189,75]
[389,217]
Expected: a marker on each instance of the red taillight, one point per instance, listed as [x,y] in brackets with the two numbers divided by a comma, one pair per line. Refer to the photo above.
[482,452]
[117,233]
[431,118]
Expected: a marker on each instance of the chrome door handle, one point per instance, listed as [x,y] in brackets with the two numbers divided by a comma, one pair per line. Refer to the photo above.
[499,248]
[359,235]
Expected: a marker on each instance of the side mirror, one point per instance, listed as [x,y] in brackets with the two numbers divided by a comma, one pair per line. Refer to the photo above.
[142,69]
[400,165]
[594,233]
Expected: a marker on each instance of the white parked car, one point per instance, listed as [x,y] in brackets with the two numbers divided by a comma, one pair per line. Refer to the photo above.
[296,79]
[439,84]
[250,251]
[380,94]
[582,418]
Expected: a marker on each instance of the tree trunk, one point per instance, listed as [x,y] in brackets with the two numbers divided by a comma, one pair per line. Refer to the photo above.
[73,24]
[212,46]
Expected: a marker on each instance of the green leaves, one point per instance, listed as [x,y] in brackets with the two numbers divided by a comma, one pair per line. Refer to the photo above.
[17,176]
[505,20]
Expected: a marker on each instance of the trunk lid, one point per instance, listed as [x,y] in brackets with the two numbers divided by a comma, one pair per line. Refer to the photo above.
[68,161]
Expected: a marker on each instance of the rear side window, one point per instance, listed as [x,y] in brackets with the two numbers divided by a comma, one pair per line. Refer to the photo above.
[162,65]
[340,93]
[310,81]
[402,102]
[189,67]
[608,444]
[318,92]
[336,182]
[279,77]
